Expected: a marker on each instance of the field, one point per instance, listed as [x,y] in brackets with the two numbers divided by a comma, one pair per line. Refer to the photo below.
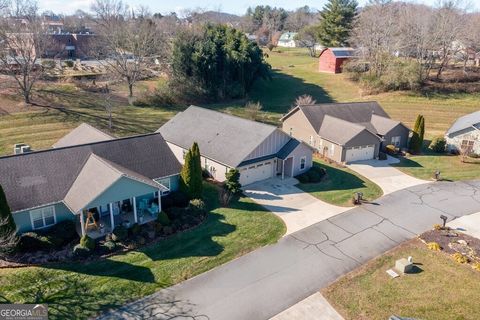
[440,288]
[294,74]
[81,290]
[339,185]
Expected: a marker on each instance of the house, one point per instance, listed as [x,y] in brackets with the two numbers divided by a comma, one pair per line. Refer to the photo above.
[345,132]
[98,185]
[82,134]
[332,59]
[259,151]
[464,134]
[69,45]
[287,40]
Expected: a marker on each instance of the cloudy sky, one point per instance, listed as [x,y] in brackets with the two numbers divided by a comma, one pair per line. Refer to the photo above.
[166,6]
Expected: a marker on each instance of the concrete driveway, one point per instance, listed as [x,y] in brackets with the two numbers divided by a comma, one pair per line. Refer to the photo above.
[298,209]
[385,176]
[467,224]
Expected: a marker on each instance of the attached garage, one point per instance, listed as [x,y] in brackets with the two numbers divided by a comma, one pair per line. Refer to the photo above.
[360,153]
[256,172]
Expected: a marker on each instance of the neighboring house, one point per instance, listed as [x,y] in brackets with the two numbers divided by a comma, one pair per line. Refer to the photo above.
[287,40]
[82,134]
[332,59]
[70,46]
[259,151]
[465,134]
[345,132]
[116,182]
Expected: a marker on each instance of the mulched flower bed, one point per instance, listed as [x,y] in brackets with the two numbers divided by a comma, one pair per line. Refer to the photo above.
[452,241]
[149,235]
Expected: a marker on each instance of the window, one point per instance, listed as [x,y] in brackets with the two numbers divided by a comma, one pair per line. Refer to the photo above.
[42,217]
[303,161]
[396,141]
[467,146]
[311,140]
[166,183]
[259,165]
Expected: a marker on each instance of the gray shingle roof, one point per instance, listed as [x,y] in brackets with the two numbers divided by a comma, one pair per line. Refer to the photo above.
[469,120]
[383,125]
[82,134]
[338,130]
[221,137]
[44,177]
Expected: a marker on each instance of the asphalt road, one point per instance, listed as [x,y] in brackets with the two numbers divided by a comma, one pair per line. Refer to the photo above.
[269,280]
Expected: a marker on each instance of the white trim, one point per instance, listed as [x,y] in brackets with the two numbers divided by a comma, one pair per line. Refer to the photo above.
[112,219]
[135,217]
[43,217]
[82,222]
[41,206]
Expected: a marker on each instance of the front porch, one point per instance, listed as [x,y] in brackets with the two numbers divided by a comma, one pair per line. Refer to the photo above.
[96,222]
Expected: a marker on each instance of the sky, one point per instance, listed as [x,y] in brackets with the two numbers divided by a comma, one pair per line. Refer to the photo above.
[166,6]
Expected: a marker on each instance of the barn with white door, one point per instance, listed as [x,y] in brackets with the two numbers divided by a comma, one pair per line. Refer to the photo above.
[226,142]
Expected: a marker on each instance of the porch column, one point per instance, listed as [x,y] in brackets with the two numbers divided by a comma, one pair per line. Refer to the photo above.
[82,222]
[159,200]
[283,169]
[135,209]
[112,220]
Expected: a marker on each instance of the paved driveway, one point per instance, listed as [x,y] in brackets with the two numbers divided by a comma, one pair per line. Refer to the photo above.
[298,209]
[385,176]
[267,281]
[467,224]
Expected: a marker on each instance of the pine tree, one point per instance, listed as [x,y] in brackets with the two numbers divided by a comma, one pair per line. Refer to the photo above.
[186,173]
[421,130]
[7,225]
[196,187]
[336,22]
[232,181]
[416,141]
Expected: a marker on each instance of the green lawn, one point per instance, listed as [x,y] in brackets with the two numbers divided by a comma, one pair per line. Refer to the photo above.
[451,168]
[441,289]
[81,290]
[340,184]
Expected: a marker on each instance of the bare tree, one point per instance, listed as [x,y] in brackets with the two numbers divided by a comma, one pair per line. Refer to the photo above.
[307,37]
[253,109]
[8,240]
[23,39]
[305,100]
[127,45]
[108,105]
[300,18]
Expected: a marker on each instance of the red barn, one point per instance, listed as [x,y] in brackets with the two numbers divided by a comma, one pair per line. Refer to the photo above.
[332,59]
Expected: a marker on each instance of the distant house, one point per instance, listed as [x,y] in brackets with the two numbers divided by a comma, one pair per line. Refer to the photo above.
[70,46]
[287,40]
[116,182]
[345,132]
[332,59]
[259,151]
[82,134]
[465,134]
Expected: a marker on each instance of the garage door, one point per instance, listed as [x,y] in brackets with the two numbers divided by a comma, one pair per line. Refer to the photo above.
[360,153]
[256,172]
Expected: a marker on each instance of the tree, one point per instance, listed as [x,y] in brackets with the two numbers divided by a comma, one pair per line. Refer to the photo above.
[191,174]
[299,19]
[6,215]
[108,105]
[336,22]
[215,63]
[196,185]
[232,182]
[308,38]
[22,39]
[127,44]
[416,141]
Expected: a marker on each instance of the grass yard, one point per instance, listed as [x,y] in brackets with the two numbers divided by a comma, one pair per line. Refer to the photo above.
[340,184]
[81,290]
[441,289]
[450,166]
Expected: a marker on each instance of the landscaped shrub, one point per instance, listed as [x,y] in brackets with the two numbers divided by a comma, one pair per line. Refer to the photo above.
[313,175]
[382,156]
[135,229]
[120,233]
[140,240]
[163,219]
[81,251]
[391,149]
[438,144]
[63,233]
[303,178]
[87,242]
[232,182]
[175,199]
[437,227]
[32,241]
[434,246]
[460,258]
[197,206]
[109,245]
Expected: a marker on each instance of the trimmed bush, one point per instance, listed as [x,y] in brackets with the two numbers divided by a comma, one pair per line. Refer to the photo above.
[382,156]
[437,227]
[63,233]
[197,205]
[32,241]
[175,199]
[303,178]
[120,233]
[438,145]
[80,251]
[163,219]
[140,240]
[460,258]
[232,181]
[87,242]
[135,229]
[391,149]
[313,175]
[434,246]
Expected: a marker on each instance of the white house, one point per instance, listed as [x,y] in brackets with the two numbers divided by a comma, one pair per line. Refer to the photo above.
[287,40]
[465,134]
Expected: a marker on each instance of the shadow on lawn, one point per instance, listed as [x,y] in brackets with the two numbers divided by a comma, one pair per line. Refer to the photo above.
[407,163]
[336,179]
